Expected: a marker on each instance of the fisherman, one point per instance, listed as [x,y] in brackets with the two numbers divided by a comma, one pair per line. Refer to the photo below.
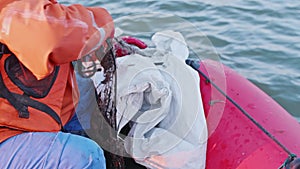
[39,40]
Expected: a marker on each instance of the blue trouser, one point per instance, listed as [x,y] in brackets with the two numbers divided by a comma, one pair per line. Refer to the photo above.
[50,151]
[57,150]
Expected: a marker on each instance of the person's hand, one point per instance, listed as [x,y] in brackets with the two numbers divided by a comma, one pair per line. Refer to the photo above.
[125,45]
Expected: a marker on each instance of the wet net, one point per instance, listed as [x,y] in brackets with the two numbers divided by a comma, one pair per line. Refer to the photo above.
[103,121]
[106,99]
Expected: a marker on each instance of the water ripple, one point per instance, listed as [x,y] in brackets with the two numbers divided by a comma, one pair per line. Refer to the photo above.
[259,39]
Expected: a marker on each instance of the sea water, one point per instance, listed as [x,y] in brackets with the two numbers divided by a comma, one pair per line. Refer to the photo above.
[258,39]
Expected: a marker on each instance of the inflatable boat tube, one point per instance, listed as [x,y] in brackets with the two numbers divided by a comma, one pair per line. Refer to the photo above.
[247,128]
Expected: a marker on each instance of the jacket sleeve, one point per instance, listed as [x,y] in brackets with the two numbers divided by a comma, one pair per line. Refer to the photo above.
[44,33]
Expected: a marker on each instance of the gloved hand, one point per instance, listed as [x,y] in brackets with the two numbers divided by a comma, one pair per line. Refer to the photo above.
[125,45]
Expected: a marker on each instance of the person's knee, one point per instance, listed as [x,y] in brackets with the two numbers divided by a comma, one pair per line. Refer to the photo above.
[83,153]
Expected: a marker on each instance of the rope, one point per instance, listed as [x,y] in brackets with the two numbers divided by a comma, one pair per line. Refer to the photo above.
[195,66]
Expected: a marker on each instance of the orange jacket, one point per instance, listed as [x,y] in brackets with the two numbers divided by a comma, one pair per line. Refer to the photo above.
[43,35]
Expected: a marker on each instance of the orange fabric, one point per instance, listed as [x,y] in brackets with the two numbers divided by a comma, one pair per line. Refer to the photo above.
[62,98]
[42,34]
[56,33]
[7,133]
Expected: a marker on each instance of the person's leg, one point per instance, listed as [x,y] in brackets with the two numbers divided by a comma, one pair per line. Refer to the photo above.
[50,150]
[87,105]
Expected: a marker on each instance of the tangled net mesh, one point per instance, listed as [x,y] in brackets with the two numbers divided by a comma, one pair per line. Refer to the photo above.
[106,99]
[104,120]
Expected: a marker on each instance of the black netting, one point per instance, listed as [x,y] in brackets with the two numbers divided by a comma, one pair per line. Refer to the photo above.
[106,99]
[116,157]
[87,66]
[26,81]
[107,105]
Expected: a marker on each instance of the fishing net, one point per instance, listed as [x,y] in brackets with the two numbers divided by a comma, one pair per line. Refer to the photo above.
[106,99]
[103,120]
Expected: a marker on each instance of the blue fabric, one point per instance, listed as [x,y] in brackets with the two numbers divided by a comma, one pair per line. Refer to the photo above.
[50,151]
[58,150]
[86,105]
